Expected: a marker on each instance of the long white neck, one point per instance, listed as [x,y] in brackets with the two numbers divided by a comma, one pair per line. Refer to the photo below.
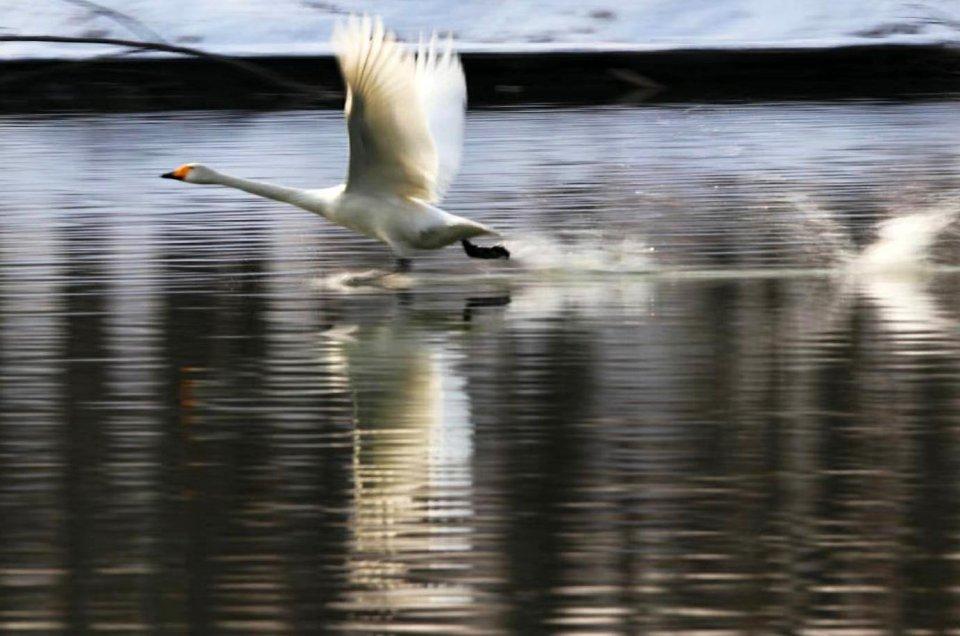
[268,190]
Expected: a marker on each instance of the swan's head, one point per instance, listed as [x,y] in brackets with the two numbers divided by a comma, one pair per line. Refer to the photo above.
[192,173]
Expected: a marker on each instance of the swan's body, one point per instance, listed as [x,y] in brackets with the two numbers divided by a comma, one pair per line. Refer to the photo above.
[405,117]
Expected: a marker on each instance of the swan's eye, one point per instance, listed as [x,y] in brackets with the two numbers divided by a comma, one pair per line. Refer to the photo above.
[182,171]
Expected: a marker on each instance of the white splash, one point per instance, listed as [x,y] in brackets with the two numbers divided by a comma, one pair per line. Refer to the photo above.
[894,271]
[824,239]
[904,243]
[591,253]
[364,280]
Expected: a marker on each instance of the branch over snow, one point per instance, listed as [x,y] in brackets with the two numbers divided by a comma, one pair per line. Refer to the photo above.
[249,67]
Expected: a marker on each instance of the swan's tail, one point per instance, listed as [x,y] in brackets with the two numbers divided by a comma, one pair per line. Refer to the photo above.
[455,230]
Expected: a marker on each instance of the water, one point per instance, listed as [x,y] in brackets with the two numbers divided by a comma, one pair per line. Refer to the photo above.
[716,390]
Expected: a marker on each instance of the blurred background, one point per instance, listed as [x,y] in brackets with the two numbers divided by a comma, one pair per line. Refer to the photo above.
[543,51]
[716,389]
[263,27]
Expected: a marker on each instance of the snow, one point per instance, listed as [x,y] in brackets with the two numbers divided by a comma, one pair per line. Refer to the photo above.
[302,27]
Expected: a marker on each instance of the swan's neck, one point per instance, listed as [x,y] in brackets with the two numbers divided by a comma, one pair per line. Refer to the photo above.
[267,190]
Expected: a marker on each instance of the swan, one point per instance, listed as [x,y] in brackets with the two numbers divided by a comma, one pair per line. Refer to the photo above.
[405,116]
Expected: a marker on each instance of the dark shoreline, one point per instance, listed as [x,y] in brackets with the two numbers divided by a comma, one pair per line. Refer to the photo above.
[497,79]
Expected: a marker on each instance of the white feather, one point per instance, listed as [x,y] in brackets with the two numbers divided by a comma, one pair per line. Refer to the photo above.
[404,113]
[443,94]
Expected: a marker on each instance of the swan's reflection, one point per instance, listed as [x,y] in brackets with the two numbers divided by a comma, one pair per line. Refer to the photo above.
[412,451]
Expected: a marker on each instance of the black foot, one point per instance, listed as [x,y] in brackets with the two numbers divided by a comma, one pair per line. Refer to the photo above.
[475,251]
[403,265]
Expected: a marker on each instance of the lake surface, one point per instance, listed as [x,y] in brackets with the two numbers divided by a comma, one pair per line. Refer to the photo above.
[716,390]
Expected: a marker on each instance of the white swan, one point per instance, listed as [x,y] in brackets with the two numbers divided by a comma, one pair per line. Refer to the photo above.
[405,122]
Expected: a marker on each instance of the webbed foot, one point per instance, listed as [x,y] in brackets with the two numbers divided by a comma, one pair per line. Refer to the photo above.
[476,251]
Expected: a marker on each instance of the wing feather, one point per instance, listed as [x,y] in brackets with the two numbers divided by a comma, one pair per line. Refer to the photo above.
[404,112]
[443,93]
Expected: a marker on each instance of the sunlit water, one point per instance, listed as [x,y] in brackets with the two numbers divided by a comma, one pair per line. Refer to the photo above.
[717,389]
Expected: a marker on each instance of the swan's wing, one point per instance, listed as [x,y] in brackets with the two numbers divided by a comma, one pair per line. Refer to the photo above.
[394,103]
[443,94]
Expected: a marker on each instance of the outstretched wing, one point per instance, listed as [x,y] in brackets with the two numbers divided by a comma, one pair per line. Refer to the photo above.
[443,94]
[404,113]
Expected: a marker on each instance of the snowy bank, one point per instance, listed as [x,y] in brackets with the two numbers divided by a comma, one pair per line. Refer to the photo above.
[302,27]
[538,51]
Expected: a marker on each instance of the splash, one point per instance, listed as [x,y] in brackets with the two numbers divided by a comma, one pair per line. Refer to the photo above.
[821,244]
[893,272]
[358,281]
[904,243]
[822,238]
[588,253]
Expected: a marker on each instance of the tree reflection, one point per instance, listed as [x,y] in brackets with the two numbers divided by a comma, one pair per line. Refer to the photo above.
[232,450]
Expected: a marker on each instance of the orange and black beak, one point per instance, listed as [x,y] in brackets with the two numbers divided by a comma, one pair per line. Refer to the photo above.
[179,174]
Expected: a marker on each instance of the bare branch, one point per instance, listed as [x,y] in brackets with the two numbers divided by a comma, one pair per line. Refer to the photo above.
[249,67]
[132,24]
